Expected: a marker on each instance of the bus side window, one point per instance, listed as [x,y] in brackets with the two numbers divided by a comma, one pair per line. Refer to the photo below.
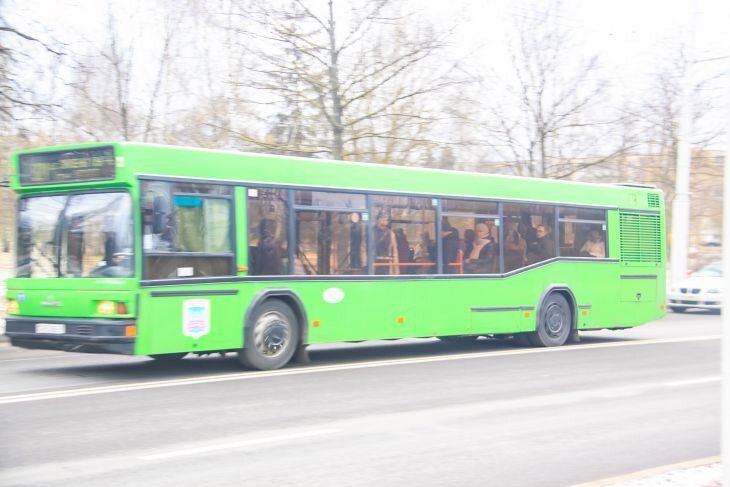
[470,237]
[267,231]
[529,236]
[331,233]
[582,232]
[187,230]
[403,234]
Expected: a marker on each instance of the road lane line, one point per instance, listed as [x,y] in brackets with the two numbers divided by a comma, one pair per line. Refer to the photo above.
[25,359]
[690,382]
[237,444]
[135,386]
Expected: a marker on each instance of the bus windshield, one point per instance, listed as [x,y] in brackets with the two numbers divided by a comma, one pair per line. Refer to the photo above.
[81,235]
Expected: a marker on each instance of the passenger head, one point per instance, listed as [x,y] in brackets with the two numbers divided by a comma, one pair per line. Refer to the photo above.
[267,228]
[542,231]
[469,235]
[595,236]
[482,231]
[383,220]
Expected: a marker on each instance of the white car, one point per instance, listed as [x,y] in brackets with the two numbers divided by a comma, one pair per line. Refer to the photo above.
[702,290]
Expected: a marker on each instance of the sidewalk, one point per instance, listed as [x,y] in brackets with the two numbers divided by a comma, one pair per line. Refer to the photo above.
[704,472]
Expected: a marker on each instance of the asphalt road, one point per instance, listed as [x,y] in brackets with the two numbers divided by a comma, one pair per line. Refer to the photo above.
[409,412]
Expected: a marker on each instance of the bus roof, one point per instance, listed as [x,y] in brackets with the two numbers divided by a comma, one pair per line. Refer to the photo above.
[134,160]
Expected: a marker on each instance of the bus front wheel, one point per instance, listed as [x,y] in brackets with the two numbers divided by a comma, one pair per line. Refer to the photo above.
[271,337]
[553,328]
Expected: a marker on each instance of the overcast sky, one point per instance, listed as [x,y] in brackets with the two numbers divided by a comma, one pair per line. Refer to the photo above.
[632,38]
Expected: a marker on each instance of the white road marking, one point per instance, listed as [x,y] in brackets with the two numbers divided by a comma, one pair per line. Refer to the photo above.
[136,386]
[690,382]
[237,444]
[65,355]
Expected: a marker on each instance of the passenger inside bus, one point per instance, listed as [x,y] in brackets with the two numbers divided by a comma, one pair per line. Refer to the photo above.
[594,246]
[543,247]
[480,256]
[514,247]
[450,245]
[386,249]
[268,255]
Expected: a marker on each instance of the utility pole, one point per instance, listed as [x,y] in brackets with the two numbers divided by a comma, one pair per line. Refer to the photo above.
[680,205]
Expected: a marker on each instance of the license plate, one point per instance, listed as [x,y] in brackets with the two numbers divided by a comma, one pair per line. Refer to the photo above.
[52,328]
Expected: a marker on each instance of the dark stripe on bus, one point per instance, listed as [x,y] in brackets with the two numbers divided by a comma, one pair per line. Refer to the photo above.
[212,292]
[349,278]
[497,308]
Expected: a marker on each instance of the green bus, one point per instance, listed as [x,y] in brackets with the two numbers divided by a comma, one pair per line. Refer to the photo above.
[164,251]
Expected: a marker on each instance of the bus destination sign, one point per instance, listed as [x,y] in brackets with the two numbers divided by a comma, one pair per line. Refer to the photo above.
[93,164]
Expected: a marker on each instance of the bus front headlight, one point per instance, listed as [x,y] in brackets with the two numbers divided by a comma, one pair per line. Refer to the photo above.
[105,307]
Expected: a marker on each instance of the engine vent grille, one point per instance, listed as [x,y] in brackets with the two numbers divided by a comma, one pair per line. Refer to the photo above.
[653,200]
[641,239]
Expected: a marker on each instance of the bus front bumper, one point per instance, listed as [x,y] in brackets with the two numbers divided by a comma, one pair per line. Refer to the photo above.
[71,334]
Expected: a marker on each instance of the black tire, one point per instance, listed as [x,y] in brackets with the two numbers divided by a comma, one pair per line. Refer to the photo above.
[271,337]
[521,339]
[555,323]
[168,358]
[678,309]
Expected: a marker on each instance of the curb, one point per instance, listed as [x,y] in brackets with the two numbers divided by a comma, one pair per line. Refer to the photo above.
[649,472]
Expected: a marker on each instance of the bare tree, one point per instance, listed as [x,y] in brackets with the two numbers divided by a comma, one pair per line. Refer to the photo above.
[19,97]
[550,117]
[114,93]
[346,80]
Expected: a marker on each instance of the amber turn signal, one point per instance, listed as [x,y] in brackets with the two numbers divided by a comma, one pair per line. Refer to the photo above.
[12,307]
[122,308]
[130,331]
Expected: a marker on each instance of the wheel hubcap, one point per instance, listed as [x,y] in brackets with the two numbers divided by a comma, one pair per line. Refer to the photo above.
[271,334]
[555,320]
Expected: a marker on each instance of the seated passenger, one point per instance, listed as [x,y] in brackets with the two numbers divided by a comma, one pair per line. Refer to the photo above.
[543,248]
[594,246]
[480,256]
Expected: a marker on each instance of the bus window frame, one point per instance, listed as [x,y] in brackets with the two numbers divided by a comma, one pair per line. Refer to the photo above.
[604,222]
[436,197]
[233,255]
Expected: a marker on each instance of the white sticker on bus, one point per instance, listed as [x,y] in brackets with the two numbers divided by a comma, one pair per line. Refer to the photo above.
[196,317]
[333,295]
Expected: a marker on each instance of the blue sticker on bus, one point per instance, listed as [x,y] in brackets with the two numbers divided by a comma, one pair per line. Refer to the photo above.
[188,201]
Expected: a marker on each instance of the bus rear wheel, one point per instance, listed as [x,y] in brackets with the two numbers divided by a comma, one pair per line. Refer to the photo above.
[271,337]
[553,328]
